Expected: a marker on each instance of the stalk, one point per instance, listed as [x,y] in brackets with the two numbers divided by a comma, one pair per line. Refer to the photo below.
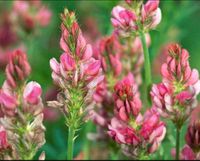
[86,149]
[70,143]
[147,65]
[177,143]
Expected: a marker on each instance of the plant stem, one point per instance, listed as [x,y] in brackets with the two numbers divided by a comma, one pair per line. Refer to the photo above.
[71,134]
[147,65]
[87,142]
[177,143]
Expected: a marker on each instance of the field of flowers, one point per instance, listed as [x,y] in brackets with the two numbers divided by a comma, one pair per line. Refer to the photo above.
[99,79]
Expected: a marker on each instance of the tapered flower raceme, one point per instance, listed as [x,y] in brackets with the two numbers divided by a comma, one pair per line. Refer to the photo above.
[18,69]
[22,107]
[177,72]
[180,87]
[138,135]
[77,74]
[127,98]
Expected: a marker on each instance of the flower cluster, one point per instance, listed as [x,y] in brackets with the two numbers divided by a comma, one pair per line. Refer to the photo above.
[138,135]
[175,97]
[31,14]
[22,108]
[77,74]
[135,17]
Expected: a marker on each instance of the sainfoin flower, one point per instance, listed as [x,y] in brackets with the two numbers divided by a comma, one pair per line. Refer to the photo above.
[18,68]
[135,133]
[22,108]
[127,98]
[176,95]
[186,153]
[77,73]
[151,14]
[193,136]
[123,19]
[127,20]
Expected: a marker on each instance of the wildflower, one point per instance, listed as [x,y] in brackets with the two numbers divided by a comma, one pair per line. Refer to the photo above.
[186,153]
[153,130]
[22,108]
[18,69]
[151,14]
[135,17]
[139,135]
[177,94]
[123,19]
[127,98]
[192,136]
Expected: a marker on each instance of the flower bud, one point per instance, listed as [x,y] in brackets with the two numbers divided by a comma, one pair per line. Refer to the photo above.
[18,69]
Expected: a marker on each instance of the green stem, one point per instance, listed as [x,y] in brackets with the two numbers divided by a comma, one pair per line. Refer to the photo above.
[87,142]
[177,143]
[70,143]
[147,65]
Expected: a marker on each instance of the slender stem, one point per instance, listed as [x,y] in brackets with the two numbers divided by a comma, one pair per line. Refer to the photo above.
[70,143]
[177,143]
[147,65]
[87,142]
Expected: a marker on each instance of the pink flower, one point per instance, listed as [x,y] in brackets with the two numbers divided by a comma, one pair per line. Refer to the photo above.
[77,70]
[8,103]
[123,19]
[100,92]
[98,119]
[32,93]
[151,14]
[43,16]
[176,96]
[67,62]
[153,130]
[17,69]
[177,69]
[193,136]
[127,98]
[122,133]
[161,97]
[3,139]
[109,52]
[186,153]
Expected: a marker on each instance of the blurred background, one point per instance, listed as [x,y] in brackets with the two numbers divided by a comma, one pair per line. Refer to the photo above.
[180,23]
